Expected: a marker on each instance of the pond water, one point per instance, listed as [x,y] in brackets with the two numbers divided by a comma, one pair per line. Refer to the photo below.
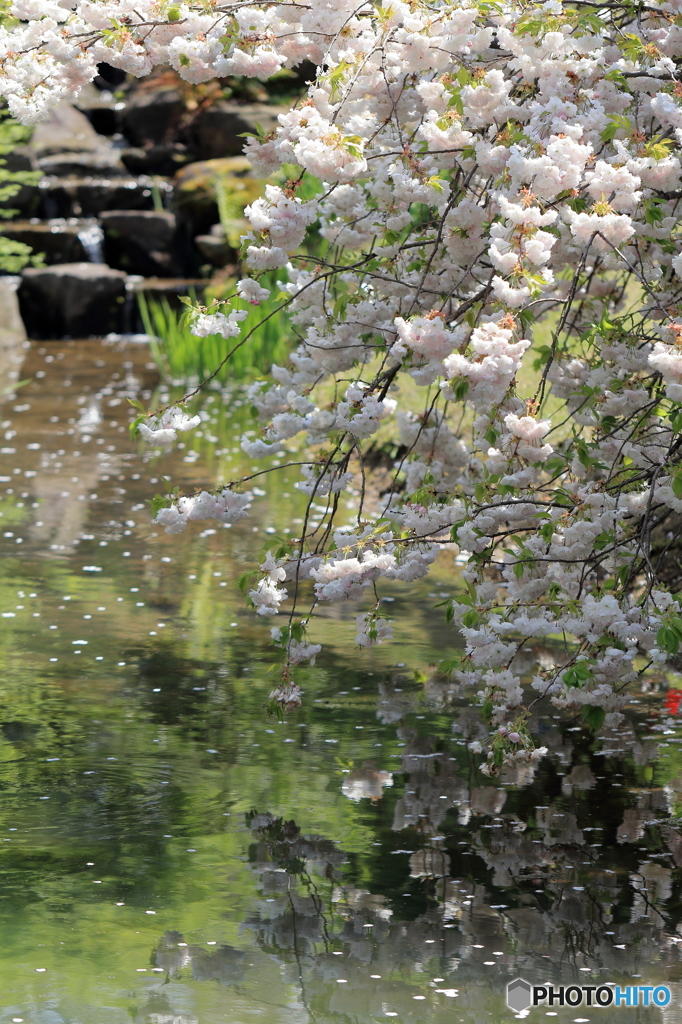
[169,854]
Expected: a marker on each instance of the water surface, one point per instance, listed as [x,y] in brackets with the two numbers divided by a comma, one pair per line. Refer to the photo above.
[169,854]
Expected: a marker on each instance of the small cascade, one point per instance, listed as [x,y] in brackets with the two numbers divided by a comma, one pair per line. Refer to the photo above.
[92,240]
[133,283]
[123,197]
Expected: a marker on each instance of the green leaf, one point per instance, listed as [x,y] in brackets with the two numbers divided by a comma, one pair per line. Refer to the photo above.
[13,387]
[543,354]
[594,717]
[677,484]
[460,387]
[454,530]
[158,502]
[617,77]
[135,424]
[555,465]
[531,26]
[652,211]
[577,204]
[336,79]
[526,317]
[623,574]
[605,538]
[244,581]
[456,101]
[667,640]
[632,47]
[616,122]
[578,674]
[547,532]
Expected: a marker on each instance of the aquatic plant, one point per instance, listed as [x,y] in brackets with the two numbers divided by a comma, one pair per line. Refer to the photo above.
[183,357]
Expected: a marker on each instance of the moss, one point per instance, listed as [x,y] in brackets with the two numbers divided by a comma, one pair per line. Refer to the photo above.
[196,185]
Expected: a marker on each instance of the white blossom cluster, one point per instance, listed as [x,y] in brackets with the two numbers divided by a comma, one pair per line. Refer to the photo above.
[499,190]
[217,323]
[163,430]
[226,506]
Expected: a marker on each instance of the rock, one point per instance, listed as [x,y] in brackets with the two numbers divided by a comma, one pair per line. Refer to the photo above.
[104,161]
[12,328]
[72,299]
[90,196]
[217,130]
[221,247]
[59,241]
[195,191]
[101,108]
[13,342]
[141,242]
[160,159]
[66,143]
[153,111]
[216,250]
[20,159]
[65,130]
[109,77]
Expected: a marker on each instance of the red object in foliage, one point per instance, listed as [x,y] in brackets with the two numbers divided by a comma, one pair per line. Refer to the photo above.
[673,700]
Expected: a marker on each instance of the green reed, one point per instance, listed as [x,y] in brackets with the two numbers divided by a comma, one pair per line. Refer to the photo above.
[181,356]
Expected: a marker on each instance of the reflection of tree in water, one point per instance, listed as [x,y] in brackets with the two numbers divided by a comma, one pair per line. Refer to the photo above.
[569,875]
[169,682]
[224,964]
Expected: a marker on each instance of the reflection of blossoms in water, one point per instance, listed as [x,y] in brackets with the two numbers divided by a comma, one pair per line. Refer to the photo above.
[552,892]
[460,919]
[366,782]
[652,885]
[580,779]
[650,807]
[224,964]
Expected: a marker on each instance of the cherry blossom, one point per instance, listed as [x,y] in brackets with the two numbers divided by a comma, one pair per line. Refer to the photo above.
[496,190]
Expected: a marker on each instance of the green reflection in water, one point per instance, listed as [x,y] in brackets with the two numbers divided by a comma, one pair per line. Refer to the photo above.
[170,855]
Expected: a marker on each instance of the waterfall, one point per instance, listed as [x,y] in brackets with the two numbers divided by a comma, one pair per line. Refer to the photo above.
[91,238]
[133,282]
